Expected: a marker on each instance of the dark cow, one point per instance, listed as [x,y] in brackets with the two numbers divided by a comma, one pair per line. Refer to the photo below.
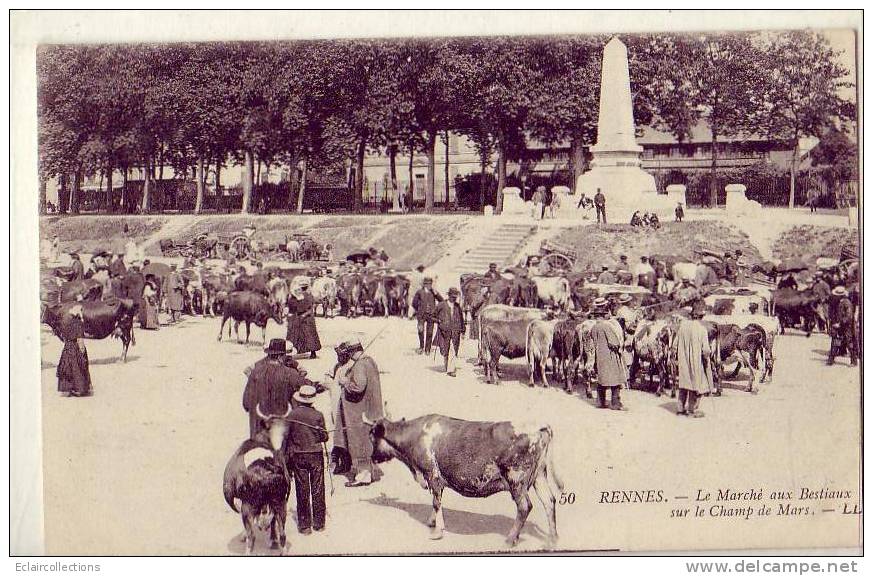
[89,289]
[475,459]
[747,345]
[397,291]
[503,331]
[112,317]
[251,283]
[349,293]
[651,345]
[251,308]
[566,352]
[792,306]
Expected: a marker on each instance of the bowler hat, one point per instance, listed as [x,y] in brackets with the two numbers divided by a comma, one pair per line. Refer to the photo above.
[453,291]
[277,347]
[306,394]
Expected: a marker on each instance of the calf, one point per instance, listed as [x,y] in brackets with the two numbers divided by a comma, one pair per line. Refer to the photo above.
[503,331]
[324,292]
[251,308]
[475,459]
[538,347]
[651,345]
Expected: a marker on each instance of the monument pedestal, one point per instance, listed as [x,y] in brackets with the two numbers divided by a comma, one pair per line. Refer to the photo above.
[513,203]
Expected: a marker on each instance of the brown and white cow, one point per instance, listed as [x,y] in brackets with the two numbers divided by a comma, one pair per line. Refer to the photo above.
[553,291]
[475,459]
[503,331]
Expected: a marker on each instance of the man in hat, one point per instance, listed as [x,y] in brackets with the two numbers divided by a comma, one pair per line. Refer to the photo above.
[842,318]
[77,266]
[822,291]
[271,383]
[600,206]
[608,336]
[493,273]
[450,321]
[695,371]
[680,212]
[175,291]
[117,267]
[599,307]
[360,401]
[424,303]
[606,277]
[305,449]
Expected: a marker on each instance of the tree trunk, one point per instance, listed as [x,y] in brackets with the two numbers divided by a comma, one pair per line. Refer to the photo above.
[42,194]
[124,199]
[359,175]
[713,172]
[483,163]
[501,175]
[74,193]
[410,198]
[292,180]
[392,162]
[447,169]
[431,171]
[110,200]
[302,185]
[792,173]
[201,186]
[218,177]
[248,182]
[146,187]
[577,162]
[63,194]
[160,164]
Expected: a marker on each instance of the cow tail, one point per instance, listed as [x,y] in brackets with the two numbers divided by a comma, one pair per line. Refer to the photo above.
[528,353]
[547,461]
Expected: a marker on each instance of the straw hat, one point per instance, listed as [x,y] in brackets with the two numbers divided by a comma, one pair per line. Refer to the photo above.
[306,394]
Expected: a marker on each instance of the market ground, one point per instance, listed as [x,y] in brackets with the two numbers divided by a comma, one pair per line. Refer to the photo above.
[137,468]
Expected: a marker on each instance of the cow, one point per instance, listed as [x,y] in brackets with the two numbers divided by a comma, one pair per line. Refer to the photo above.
[251,308]
[503,331]
[251,283]
[374,295]
[744,344]
[278,289]
[397,290]
[651,344]
[538,348]
[475,459]
[586,353]
[766,328]
[523,292]
[349,293]
[89,289]
[112,317]
[566,352]
[552,291]
[324,292]
[790,306]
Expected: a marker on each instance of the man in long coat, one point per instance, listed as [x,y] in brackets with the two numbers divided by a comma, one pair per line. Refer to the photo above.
[270,386]
[608,336]
[842,330]
[695,371]
[175,293]
[302,332]
[450,322]
[360,398]
[425,305]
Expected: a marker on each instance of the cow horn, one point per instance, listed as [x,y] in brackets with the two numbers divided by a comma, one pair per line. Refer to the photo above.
[258,411]
[367,421]
[287,412]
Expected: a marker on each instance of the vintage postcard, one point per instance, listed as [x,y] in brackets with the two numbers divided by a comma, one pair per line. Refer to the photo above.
[308,288]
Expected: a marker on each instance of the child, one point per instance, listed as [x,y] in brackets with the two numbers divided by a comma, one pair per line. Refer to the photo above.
[680,213]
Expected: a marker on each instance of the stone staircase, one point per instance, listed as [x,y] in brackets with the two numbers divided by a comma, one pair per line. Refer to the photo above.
[501,246]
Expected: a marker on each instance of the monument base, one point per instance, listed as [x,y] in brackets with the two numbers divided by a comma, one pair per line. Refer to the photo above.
[625,188]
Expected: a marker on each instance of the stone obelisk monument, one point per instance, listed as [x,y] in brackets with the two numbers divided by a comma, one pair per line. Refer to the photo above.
[616,169]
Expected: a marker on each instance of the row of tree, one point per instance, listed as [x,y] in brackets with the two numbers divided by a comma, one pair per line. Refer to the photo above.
[313,104]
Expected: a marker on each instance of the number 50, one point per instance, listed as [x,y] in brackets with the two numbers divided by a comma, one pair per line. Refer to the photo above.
[567,498]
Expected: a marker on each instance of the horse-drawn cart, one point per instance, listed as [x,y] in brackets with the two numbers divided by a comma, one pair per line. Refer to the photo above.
[558,256]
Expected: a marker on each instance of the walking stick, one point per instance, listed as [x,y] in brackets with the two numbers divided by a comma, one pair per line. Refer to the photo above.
[327,466]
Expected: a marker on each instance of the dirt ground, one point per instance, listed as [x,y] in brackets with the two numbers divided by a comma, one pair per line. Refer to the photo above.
[137,468]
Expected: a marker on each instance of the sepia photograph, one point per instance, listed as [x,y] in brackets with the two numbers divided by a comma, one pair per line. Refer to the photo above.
[417,290]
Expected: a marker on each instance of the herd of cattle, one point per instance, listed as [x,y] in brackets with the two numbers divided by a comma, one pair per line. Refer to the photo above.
[548,320]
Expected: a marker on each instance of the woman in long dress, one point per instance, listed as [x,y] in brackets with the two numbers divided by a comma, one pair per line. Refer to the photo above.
[302,332]
[149,317]
[74,375]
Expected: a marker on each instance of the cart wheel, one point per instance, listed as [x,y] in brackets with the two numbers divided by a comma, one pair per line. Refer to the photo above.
[241,245]
[559,261]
